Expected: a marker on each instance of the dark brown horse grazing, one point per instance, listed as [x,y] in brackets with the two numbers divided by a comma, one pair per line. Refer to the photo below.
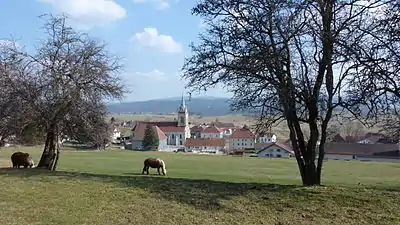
[154,163]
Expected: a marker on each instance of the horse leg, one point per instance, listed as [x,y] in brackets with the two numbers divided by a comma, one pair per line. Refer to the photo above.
[144,169]
[158,170]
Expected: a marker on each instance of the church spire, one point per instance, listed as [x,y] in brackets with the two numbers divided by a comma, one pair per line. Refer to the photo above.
[182,107]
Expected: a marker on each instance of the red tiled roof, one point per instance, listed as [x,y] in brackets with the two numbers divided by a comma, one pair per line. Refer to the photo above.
[281,145]
[358,149]
[242,133]
[164,126]
[212,129]
[200,142]
[161,123]
[173,129]
[160,134]
[139,130]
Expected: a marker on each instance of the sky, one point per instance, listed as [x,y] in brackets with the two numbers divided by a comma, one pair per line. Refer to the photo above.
[152,37]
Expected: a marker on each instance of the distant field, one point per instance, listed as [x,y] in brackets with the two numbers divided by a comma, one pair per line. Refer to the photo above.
[106,187]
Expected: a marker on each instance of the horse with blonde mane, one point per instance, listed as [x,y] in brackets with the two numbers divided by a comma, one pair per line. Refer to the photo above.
[154,163]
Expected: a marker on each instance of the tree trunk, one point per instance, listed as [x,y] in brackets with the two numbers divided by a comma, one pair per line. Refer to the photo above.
[308,171]
[57,156]
[49,152]
[311,176]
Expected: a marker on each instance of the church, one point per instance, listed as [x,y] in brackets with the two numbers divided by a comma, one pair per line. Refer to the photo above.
[170,134]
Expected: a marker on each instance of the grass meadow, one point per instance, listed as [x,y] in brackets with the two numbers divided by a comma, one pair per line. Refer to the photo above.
[106,187]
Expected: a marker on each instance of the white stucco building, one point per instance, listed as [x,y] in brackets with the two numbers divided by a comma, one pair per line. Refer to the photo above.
[242,139]
[275,150]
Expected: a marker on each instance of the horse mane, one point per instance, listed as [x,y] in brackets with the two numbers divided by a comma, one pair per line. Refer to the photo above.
[163,165]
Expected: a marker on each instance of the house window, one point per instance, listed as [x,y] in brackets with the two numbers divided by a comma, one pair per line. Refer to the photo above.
[180,136]
[173,136]
[278,150]
[278,156]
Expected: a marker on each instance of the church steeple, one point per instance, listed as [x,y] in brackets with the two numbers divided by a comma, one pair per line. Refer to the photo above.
[182,107]
[183,114]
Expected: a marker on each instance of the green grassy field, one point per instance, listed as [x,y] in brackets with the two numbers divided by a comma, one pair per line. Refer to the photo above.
[107,188]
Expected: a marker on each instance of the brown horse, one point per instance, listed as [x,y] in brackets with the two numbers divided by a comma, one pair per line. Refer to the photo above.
[154,163]
[22,159]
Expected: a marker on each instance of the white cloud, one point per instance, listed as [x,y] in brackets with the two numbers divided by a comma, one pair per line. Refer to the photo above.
[159,4]
[89,13]
[155,75]
[150,38]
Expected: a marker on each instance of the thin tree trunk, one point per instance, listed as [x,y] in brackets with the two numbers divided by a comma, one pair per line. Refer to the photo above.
[42,162]
[57,156]
[49,153]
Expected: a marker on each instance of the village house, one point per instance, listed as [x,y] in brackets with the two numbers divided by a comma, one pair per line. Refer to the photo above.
[275,150]
[363,152]
[266,138]
[227,128]
[212,132]
[242,138]
[138,135]
[115,135]
[206,145]
[367,138]
[195,131]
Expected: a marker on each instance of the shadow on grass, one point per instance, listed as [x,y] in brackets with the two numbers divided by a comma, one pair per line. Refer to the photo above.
[203,194]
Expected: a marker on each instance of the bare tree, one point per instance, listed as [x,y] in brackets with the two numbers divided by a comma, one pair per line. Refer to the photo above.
[386,81]
[15,111]
[289,60]
[69,73]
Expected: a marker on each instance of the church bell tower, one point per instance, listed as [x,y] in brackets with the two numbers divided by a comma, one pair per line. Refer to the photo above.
[183,115]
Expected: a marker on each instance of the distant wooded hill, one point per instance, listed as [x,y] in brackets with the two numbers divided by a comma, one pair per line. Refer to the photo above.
[211,106]
[200,106]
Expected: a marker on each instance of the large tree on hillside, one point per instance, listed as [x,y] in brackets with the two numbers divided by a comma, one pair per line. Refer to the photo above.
[295,61]
[72,75]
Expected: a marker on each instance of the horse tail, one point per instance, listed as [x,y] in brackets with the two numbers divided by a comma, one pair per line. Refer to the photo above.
[163,166]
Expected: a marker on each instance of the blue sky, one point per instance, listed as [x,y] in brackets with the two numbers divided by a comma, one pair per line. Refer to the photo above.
[151,35]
